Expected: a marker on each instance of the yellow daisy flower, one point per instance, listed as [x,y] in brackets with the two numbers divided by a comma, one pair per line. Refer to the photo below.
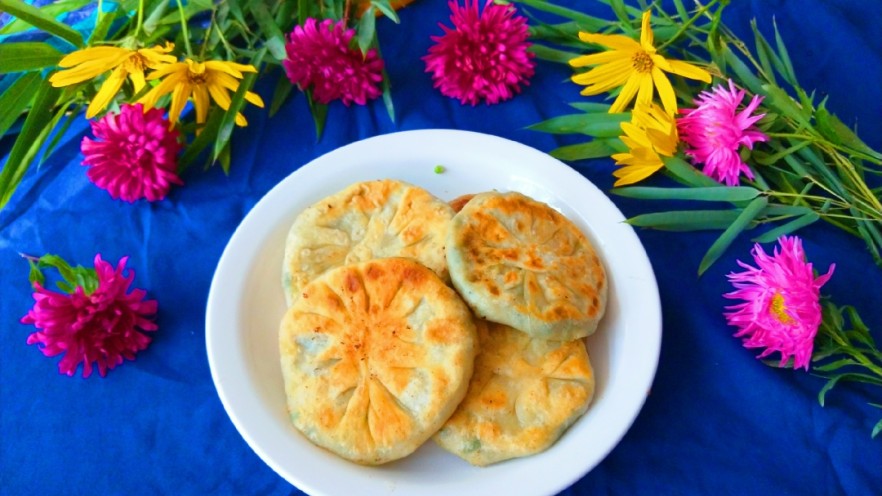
[123,63]
[651,134]
[636,67]
[201,82]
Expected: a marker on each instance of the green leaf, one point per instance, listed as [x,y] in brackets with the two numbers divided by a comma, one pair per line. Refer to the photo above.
[155,17]
[552,54]
[53,10]
[275,39]
[582,151]
[280,94]
[686,220]
[685,173]
[599,125]
[876,430]
[35,275]
[27,56]
[744,74]
[33,134]
[206,136]
[788,72]
[16,99]
[587,22]
[593,107]
[744,219]
[836,131]
[41,20]
[386,8]
[366,31]
[228,122]
[778,99]
[838,364]
[721,194]
[319,113]
[774,158]
[830,384]
[809,217]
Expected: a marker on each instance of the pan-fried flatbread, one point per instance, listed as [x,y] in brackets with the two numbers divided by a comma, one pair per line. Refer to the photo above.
[525,392]
[519,262]
[367,220]
[375,357]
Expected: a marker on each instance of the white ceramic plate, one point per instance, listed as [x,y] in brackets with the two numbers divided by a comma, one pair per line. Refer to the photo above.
[245,306]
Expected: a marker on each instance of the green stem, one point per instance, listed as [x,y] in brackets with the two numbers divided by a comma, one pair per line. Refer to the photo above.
[685,25]
[184,29]
[140,21]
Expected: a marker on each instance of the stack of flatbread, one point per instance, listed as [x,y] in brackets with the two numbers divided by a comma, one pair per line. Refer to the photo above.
[412,318]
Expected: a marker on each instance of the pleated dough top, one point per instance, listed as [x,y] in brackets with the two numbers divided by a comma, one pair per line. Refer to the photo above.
[375,357]
[519,262]
[367,220]
[525,392]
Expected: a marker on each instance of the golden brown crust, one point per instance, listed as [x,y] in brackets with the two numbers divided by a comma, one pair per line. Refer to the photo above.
[460,201]
[367,220]
[375,357]
[524,394]
[519,262]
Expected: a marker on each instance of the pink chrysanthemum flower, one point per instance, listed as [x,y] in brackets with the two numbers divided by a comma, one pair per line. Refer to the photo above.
[484,56]
[322,58]
[101,327]
[780,310]
[134,154]
[715,131]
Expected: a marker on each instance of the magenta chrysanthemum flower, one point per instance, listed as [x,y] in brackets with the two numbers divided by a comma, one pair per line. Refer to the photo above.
[781,310]
[484,56]
[134,154]
[101,327]
[322,58]
[715,131]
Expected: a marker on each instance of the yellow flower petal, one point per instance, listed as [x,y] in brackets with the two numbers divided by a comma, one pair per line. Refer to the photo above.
[688,70]
[613,71]
[665,91]
[644,94]
[240,120]
[614,41]
[109,55]
[231,68]
[201,102]
[108,90]
[165,87]
[627,93]
[598,58]
[165,69]
[179,99]
[220,96]
[254,99]
[647,39]
[138,81]
[635,173]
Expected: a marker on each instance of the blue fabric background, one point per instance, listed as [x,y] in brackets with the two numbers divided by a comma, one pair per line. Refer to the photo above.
[717,420]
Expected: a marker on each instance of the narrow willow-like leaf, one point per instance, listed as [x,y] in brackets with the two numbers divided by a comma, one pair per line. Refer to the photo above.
[280,94]
[838,132]
[102,28]
[730,194]
[41,20]
[742,71]
[876,430]
[33,134]
[16,99]
[686,220]
[779,100]
[774,158]
[838,364]
[683,172]
[56,132]
[53,10]
[583,151]
[223,158]
[366,29]
[788,73]
[228,122]
[830,384]
[744,219]
[205,137]
[791,226]
[681,10]
[319,113]
[27,56]
[618,8]
[763,53]
[273,36]
[386,8]
[588,23]
[599,125]
[153,18]
[552,54]
[596,108]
